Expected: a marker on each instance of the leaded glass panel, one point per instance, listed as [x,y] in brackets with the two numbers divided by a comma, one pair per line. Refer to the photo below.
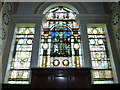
[60,39]
[20,64]
[101,64]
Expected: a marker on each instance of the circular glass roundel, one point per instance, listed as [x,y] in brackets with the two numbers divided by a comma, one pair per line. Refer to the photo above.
[65,62]
[92,41]
[100,41]
[29,41]
[45,46]
[76,46]
[56,62]
[21,41]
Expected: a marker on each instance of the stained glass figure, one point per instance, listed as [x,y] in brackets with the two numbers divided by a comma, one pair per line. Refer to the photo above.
[20,64]
[101,63]
[60,44]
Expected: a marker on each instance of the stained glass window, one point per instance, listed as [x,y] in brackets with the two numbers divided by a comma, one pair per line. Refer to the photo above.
[20,64]
[60,44]
[101,63]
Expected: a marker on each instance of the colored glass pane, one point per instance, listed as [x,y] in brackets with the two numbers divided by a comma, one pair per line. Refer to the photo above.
[20,64]
[101,63]
[60,32]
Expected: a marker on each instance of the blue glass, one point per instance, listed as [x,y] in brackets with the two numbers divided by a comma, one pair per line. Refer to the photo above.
[55,34]
[60,28]
[67,34]
[21,41]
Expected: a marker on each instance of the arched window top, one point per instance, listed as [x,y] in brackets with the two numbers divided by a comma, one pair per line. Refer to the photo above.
[59,5]
[60,9]
[60,15]
[60,12]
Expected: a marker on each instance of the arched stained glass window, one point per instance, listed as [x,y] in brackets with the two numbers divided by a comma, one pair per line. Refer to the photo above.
[101,63]
[60,44]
